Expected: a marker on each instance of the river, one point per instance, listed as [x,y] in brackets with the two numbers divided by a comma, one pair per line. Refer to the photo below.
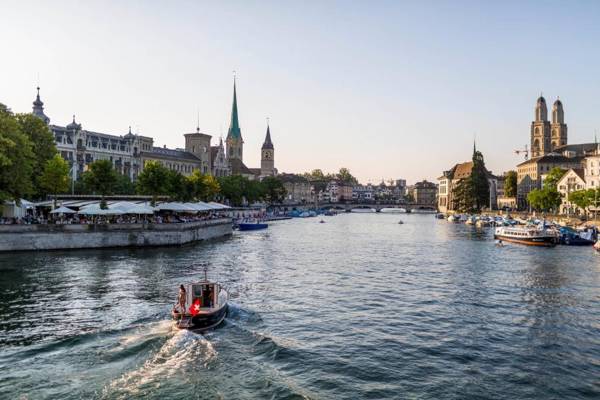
[357,307]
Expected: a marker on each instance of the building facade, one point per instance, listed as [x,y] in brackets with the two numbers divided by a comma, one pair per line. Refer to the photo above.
[572,181]
[299,189]
[425,193]
[451,178]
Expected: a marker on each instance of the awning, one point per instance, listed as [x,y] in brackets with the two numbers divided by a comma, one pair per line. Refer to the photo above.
[63,210]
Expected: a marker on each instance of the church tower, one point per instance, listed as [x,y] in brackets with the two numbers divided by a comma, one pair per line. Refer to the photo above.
[540,130]
[558,126]
[38,108]
[267,156]
[234,141]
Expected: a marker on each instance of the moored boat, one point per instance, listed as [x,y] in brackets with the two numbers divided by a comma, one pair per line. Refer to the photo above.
[252,226]
[528,235]
[363,210]
[393,210]
[205,306]
[571,237]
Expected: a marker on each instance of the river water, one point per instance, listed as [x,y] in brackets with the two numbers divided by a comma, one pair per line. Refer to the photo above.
[358,307]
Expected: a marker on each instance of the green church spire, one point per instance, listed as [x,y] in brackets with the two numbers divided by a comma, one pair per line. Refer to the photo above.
[234,128]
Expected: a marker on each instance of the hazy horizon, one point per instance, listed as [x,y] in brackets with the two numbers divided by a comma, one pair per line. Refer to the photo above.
[387,89]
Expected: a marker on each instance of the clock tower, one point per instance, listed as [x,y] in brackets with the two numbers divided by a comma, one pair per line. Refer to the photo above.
[267,156]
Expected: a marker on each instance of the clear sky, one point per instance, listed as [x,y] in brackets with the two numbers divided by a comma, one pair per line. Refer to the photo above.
[388,89]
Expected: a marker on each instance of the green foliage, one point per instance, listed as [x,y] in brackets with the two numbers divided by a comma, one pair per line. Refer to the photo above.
[124,185]
[101,178]
[345,176]
[471,194]
[480,186]
[153,180]
[55,176]
[43,146]
[552,178]
[273,190]
[548,198]
[545,199]
[510,184]
[178,187]
[318,179]
[16,158]
[232,188]
[585,198]
[211,188]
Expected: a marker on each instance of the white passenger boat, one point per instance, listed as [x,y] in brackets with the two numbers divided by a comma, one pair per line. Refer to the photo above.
[363,210]
[529,235]
[393,210]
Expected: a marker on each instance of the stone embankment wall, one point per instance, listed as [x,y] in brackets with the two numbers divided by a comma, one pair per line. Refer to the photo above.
[54,237]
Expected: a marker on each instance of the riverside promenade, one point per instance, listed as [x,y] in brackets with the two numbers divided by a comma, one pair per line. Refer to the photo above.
[84,236]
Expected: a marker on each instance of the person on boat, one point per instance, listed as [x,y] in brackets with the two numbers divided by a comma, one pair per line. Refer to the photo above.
[181,299]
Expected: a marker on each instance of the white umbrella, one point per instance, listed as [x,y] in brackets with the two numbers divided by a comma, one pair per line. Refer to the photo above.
[63,210]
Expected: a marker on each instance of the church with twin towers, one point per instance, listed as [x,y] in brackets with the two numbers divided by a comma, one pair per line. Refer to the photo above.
[548,136]
[129,152]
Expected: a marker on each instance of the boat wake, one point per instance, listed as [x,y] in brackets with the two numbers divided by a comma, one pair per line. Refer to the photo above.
[178,353]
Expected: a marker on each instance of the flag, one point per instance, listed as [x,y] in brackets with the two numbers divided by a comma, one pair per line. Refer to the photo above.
[195,307]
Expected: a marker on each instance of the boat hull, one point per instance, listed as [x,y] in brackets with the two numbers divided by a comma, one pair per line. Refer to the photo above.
[252,227]
[201,322]
[546,241]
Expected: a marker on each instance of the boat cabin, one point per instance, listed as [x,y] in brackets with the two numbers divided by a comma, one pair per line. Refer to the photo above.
[202,296]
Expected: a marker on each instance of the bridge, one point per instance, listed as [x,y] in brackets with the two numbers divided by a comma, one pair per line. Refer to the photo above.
[349,206]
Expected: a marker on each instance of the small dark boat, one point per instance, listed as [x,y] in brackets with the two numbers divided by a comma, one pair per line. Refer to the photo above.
[252,226]
[571,237]
[205,306]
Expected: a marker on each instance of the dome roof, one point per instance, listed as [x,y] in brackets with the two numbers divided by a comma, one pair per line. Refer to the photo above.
[541,99]
[558,103]
[74,126]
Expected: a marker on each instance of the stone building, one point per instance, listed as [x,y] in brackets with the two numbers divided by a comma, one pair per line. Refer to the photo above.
[299,189]
[218,160]
[546,136]
[425,193]
[530,172]
[128,152]
[449,179]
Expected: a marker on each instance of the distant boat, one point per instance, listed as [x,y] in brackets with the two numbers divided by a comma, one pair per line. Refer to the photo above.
[363,210]
[252,226]
[440,216]
[393,210]
[423,210]
[400,222]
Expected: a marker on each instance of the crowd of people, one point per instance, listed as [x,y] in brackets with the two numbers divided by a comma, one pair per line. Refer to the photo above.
[70,219]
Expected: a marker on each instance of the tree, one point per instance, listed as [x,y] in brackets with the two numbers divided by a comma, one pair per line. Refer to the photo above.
[124,185]
[43,145]
[55,177]
[480,186]
[548,198]
[510,184]
[211,188]
[101,178]
[153,180]
[178,187]
[232,188]
[273,189]
[545,199]
[345,176]
[16,158]
[472,193]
